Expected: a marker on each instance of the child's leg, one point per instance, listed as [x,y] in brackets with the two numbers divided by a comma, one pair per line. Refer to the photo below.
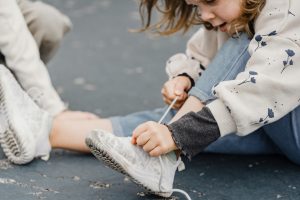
[47,25]
[285,133]
[255,143]
[227,64]
[230,60]
[71,134]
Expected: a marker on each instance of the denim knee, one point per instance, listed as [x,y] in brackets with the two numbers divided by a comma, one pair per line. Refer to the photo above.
[230,60]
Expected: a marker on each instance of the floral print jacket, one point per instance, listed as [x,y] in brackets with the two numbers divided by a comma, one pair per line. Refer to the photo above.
[269,87]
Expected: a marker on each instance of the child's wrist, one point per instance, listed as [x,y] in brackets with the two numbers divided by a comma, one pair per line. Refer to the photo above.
[192,82]
[174,146]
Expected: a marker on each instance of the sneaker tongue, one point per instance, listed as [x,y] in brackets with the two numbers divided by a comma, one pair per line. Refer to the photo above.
[172,157]
[181,166]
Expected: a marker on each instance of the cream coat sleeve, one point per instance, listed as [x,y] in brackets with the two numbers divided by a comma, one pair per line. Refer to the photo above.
[201,48]
[22,56]
[269,88]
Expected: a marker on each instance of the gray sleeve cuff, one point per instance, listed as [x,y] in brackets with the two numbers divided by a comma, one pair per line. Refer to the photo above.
[194,132]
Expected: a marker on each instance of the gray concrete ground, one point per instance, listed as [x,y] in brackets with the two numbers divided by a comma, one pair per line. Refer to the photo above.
[104,69]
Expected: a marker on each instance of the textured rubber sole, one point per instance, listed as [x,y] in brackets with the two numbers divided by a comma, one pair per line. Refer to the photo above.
[9,142]
[104,156]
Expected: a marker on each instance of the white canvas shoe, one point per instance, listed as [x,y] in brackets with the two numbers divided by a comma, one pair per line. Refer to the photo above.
[155,174]
[25,128]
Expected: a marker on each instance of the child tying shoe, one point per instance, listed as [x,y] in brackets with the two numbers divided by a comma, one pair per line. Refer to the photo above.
[249,89]
[28,131]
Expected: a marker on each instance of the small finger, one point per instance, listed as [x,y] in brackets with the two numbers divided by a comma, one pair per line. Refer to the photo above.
[143,138]
[150,145]
[157,151]
[139,130]
[167,101]
[169,92]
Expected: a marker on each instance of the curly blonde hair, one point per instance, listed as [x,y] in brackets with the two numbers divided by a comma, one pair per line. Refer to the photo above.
[177,15]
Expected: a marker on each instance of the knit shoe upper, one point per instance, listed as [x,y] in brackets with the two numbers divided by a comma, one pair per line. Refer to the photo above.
[155,174]
[23,123]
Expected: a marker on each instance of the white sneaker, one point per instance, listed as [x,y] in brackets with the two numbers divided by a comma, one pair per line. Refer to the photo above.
[155,174]
[24,126]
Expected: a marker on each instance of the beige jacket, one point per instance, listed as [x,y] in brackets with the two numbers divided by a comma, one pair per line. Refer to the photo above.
[271,77]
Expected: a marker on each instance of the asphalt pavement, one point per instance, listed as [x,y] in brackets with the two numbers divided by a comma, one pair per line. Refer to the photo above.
[103,68]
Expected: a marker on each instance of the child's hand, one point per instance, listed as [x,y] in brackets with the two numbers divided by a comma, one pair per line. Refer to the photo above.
[154,138]
[178,86]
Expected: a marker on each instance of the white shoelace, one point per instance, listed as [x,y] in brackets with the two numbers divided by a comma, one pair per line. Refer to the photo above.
[167,111]
[160,159]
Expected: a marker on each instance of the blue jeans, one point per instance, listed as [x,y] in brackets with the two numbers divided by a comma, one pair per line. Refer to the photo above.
[280,137]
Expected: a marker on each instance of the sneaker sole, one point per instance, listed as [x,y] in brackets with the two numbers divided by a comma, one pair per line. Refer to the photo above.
[9,142]
[104,156]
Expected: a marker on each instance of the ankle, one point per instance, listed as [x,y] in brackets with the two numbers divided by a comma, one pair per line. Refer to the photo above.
[54,134]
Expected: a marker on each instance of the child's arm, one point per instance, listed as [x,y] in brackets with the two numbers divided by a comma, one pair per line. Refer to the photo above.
[157,139]
[269,87]
[191,134]
[201,48]
[267,90]
[22,56]
[184,69]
